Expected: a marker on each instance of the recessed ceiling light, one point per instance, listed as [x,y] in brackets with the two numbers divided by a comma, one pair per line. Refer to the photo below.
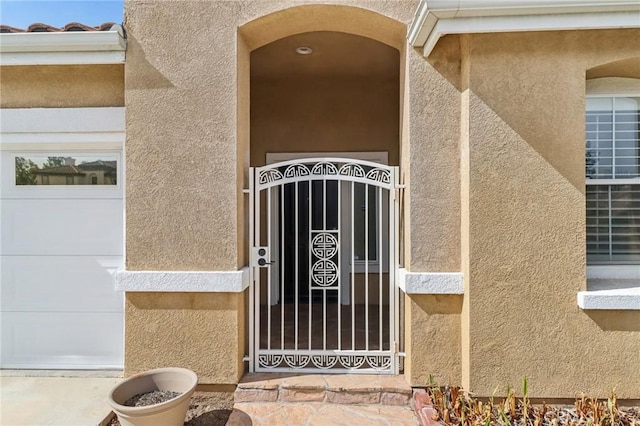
[304,50]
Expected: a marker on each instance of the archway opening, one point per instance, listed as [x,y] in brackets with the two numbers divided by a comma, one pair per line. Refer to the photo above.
[324,91]
[325,94]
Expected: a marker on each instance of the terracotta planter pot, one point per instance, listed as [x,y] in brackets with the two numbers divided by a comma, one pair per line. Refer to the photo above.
[169,413]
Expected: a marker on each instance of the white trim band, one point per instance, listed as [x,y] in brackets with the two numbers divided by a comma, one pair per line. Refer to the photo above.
[63,48]
[27,129]
[431,282]
[434,19]
[182,281]
[616,299]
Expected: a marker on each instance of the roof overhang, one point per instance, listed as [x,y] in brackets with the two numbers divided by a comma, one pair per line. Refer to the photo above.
[63,48]
[436,18]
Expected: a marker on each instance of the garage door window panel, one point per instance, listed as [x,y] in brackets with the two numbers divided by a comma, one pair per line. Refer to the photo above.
[66,169]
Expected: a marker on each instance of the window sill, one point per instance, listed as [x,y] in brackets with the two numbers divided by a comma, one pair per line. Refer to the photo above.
[611,288]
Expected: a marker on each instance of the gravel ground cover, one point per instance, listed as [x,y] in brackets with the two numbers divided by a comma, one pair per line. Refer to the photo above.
[151,398]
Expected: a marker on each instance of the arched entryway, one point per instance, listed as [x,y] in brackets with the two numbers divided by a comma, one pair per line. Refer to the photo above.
[324,149]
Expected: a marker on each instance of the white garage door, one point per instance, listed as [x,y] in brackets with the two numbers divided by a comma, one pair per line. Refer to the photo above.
[61,235]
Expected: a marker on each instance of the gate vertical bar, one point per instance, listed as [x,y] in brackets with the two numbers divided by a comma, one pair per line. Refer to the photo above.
[380,263]
[310,281]
[296,264]
[366,265]
[339,254]
[282,242]
[394,209]
[252,212]
[353,267]
[324,291]
[269,224]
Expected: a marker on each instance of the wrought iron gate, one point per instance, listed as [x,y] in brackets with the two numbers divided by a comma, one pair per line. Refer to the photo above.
[323,254]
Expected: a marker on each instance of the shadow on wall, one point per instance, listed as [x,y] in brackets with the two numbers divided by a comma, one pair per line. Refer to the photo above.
[146,75]
[440,304]
[616,320]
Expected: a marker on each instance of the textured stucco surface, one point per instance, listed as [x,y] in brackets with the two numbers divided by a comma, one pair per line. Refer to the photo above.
[492,153]
[432,338]
[182,110]
[334,114]
[187,100]
[57,86]
[433,203]
[200,331]
[525,228]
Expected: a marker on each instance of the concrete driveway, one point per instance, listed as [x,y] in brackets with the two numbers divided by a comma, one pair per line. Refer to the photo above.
[65,398]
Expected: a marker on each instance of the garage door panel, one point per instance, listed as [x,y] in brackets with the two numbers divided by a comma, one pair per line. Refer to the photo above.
[62,227]
[60,283]
[62,340]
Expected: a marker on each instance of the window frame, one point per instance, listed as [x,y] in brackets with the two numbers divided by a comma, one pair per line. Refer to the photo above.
[611,87]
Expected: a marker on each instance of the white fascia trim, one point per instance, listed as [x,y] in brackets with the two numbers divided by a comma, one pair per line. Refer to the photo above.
[616,299]
[431,282]
[182,281]
[61,128]
[439,18]
[63,48]
[61,58]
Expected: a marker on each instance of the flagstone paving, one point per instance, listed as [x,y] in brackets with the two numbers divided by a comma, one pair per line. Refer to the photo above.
[318,413]
[287,399]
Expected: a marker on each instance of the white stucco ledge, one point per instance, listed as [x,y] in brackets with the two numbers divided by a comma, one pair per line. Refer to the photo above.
[431,282]
[182,281]
[610,299]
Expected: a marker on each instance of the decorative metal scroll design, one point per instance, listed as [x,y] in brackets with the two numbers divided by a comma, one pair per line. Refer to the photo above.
[270,175]
[296,170]
[326,361]
[379,175]
[324,271]
[324,168]
[352,169]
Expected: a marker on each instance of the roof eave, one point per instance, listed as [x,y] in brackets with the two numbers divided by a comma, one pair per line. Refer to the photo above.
[63,48]
[436,18]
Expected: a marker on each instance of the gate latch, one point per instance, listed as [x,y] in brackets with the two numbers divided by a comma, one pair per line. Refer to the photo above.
[261,257]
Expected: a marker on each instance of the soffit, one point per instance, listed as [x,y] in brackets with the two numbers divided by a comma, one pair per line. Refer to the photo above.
[334,54]
[436,18]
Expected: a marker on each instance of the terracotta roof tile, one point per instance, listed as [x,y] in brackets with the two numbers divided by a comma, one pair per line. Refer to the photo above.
[44,28]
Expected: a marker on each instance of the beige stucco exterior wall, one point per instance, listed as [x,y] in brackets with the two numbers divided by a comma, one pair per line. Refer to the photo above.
[524,224]
[200,331]
[431,219]
[325,115]
[61,86]
[187,113]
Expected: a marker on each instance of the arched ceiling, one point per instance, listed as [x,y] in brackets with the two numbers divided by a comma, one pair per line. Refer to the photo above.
[334,54]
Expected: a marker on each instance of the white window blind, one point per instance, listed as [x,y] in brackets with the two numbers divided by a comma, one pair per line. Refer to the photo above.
[613,179]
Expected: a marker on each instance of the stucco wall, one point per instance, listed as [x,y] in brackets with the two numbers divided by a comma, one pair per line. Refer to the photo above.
[70,86]
[182,127]
[330,115]
[187,113]
[200,331]
[431,220]
[525,224]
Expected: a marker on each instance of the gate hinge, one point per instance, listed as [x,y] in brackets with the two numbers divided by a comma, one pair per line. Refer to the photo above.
[400,186]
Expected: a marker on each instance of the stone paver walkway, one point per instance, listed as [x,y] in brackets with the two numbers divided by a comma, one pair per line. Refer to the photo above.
[318,413]
[316,399]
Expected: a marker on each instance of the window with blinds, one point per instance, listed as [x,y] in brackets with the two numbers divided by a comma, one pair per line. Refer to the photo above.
[613,179]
